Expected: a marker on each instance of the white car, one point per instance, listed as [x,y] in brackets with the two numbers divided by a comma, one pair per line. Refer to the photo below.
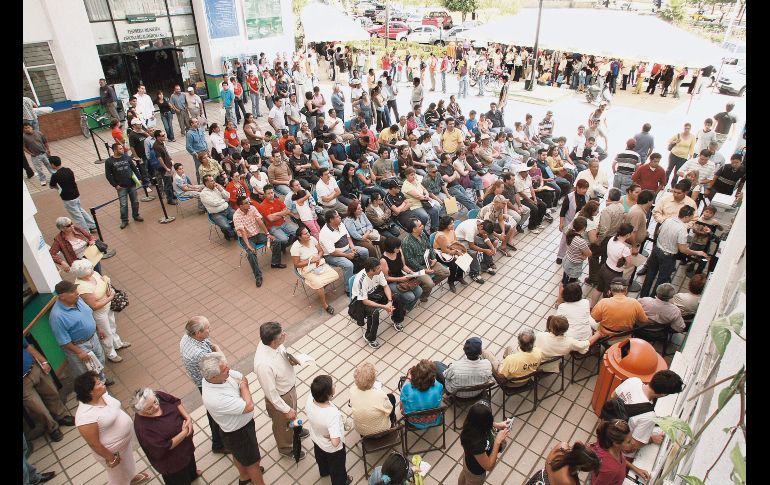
[733,81]
[414,20]
[426,34]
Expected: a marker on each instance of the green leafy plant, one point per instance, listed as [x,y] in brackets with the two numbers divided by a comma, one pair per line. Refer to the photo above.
[463,6]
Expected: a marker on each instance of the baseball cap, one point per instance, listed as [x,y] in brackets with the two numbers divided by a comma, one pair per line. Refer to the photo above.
[472,347]
[136,121]
[191,89]
[484,136]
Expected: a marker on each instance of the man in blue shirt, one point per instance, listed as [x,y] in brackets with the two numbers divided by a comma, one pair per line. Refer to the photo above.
[40,397]
[196,143]
[228,102]
[471,122]
[614,70]
[73,325]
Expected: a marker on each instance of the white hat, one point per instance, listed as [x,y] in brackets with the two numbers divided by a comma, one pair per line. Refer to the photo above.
[136,121]
[254,168]
[522,168]
[191,88]
[401,143]
[484,136]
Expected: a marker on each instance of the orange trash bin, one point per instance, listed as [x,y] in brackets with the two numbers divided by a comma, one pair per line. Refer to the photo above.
[631,357]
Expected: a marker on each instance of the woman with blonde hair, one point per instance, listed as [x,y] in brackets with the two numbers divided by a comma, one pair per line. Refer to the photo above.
[374,410]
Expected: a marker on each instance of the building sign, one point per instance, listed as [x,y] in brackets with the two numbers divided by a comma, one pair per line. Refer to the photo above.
[221,18]
[263,18]
[148,30]
[135,19]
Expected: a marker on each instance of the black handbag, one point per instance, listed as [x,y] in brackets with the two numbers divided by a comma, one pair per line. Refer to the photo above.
[101,245]
[120,301]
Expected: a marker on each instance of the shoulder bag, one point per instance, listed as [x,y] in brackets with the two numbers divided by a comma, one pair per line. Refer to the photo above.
[120,301]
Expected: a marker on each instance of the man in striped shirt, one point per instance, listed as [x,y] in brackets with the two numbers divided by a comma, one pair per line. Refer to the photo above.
[705,169]
[471,370]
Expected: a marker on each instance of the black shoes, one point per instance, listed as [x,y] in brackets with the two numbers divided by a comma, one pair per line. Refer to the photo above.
[44,477]
[171,202]
[56,435]
[123,224]
[558,260]
[259,282]
[139,219]
[279,265]
[452,287]
[67,421]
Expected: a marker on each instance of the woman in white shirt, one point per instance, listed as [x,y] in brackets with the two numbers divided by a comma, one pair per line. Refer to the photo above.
[257,181]
[577,311]
[217,142]
[307,256]
[618,257]
[327,431]
[553,342]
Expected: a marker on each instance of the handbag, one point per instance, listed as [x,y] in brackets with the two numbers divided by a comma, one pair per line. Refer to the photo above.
[101,245]
[673,144]
[408,285]
[119,301]
[426,205]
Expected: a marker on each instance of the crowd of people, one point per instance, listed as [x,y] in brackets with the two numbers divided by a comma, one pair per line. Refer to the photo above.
[397,205]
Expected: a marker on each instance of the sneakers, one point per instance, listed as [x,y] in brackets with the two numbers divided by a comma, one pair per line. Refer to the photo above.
[124,345]
[477,279]
[373,343]
[259,282]
[117,358]
[452,287]
[279,265]
[66,421]
[491,271]
[123,224]
[110,253]
[304,434]
[56,435]
[43,183]
[398,327]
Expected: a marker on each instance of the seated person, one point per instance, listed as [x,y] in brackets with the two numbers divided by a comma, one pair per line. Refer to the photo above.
[576,310]
[416,244]
[389,136]
[319,158]
[348,185]
[634,391]
[407,157]
[237,187]
[307,256]
[327,191]
[374,410]
[370,294]
[617,313]
[279,174]
[661,310]
[257,180]
[704,232]
[471,370]
[475,234]
[553,342]
[321,131]
[339,250]
[380,216]
[365,178]
[305,212]
[505,225]
[337,154]
[302,168]
[397,203]
[688,301]
[420,202]
[517,364]
[597,179]
[183,187]
[422,391]
[215,200]
[277,217]
[382,168]
[359,227]
[209,166]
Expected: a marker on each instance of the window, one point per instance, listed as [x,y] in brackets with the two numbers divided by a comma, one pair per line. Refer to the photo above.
[97,10]
[41,78]
[184,30]
[121,8]
[179,7]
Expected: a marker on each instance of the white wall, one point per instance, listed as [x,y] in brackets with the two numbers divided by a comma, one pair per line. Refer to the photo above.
[212,50]
[35,253]
[35,25]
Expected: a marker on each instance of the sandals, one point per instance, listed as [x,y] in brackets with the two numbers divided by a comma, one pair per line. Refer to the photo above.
[329,309]
[140,478]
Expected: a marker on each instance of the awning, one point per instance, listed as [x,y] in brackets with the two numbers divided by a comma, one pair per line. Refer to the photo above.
[608,33]
[325,23]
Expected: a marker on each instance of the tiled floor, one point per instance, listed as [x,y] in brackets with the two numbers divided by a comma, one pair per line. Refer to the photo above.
[172,272]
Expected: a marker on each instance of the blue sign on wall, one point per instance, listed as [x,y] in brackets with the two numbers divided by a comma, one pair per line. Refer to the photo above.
[222,18]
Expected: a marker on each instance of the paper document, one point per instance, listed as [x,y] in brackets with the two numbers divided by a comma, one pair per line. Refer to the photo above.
[94,364]
[569,165]
[426,257]
[464,262]
[93,254]
[299,359]
[416,274]
[450,204]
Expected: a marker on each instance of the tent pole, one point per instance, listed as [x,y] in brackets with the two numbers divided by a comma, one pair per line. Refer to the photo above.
[537,40]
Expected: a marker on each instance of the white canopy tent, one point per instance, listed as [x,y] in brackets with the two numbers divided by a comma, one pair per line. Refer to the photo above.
[325,23]
[608,33]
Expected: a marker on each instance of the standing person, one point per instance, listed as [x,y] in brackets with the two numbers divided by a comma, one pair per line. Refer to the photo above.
[706,136]
[238,99]
[145,109]
[137,142]
[277,378]
[31,475]
[178,104]
[624,165]
[121,174]
[64,180]
[338,101]
[253,81]
[39,394]
[195,107]
[327,431]
[28,113]
[644,142]
[166,114]
[681,147]
[165,170]
[481,445]
[651,175]
[228,101]
[417,93]
[502,100]
[672,239]
[74,327]
[613,436]
[227,397]
[725,124]
[193,346]
[268,88]
[36,145]
[108,99]
[106,428]
[563,464]
[196,143]
[462,77]
[444,68]
[390,91]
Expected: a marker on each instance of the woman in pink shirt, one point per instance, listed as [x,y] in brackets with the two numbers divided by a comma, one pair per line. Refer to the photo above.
[613,437]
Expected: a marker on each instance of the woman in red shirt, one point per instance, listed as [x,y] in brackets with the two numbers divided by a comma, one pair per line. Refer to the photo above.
[613,436]
[231,137]
[237,187]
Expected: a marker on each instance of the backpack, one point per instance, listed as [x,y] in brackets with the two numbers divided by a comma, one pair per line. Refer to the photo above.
[617,409]
[152,159]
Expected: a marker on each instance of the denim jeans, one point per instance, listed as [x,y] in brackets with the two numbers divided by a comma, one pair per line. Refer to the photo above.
[281,189]
[293,129]
[41,161]
[240,109]
[621,181]
[168,187]
[230,113]
[285,233]
[462,91]
[459,193]
[661,265]
[254,99]
[269,102]
[124,194]
[79,216]
[481,262]
[482,78]
[425,215]
[77,367]
[254,260]
[197,167]
[168,125]
[408,298]
[224,220]
[443,82]
[31,475]
[345,263]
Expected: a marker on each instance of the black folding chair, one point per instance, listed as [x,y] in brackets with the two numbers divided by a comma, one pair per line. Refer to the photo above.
[480,391]
[383,440]
[425,415]
[517,385]
[541,374]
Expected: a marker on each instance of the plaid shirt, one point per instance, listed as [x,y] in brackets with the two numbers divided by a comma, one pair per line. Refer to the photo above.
[414,251]
[248,221]
[192,352]
[466,373]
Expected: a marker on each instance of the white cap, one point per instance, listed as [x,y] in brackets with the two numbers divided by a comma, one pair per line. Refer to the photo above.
[190,88]
[484,136]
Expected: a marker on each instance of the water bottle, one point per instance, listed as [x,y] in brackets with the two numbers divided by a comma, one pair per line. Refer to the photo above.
[294,423]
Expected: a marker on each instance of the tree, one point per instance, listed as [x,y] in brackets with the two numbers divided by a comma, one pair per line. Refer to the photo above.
[674,12]
[462,6]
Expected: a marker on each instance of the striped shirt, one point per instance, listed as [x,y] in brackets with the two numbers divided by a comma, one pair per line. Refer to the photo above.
[705,172]
[575,250]
[627,162]
[192,352]
[465,373]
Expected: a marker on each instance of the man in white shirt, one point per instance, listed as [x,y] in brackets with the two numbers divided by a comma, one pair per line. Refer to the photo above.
[705,136]
[227,398]
[634,391]
[390,91]
[275,373]
[327,191]
[597,179]
[276,116]
[337,126]
[339,250]
[475,234]
[705,168]
[364,304]
[215,200]
[145,108]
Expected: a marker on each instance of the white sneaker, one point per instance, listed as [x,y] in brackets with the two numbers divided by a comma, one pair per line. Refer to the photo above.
[373,343]
[43,183]
[536,230]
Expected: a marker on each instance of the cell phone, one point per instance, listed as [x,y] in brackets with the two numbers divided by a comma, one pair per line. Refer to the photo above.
[510,423]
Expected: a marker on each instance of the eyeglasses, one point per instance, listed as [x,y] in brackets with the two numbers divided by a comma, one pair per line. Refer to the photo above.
[69,225]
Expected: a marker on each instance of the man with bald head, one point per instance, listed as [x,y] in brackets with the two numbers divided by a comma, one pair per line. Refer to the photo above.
[194,345]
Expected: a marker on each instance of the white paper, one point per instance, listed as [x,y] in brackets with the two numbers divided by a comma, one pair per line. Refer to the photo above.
[426,256]
[424,467]
[94,364]
[303,359]
[569,165]
[377,385]
[464,262]
[416,274]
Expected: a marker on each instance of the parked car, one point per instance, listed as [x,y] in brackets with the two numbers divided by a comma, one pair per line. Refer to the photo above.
[372,11]
[364,22]
[438,18]
[395,15]
[426,34]
[414,20]
[362,7]
[737,51]
[396,31]
[733,81]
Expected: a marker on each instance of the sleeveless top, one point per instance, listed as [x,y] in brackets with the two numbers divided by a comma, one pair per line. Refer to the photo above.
[395,267]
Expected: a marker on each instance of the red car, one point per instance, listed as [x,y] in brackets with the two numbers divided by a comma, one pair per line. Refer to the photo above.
[438,18]
[396,31]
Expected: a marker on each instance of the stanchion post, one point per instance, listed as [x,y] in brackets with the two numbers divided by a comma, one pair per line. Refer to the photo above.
[166,219]
[96,221]
[96,147]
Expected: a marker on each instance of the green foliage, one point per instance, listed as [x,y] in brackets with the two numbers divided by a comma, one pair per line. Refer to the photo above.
[729,391]
[739,465]
[672,426]
[691,480]
[466,6]
[722,328]
[674,12]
